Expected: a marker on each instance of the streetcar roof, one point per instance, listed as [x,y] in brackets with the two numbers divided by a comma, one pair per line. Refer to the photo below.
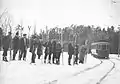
[100,43]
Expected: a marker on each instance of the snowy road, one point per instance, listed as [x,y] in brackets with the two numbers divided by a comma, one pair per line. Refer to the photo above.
[114,76]
[21,72]
[92,76]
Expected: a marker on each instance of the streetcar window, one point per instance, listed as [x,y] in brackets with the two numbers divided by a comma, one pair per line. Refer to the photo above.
[104,47]
[99,47]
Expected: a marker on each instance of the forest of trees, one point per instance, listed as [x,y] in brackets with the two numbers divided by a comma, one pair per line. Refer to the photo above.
[79,34]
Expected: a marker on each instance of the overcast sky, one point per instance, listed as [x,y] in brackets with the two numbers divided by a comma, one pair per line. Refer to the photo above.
[62,12]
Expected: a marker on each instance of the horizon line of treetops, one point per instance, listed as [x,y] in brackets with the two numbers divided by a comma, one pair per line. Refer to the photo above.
[78,34]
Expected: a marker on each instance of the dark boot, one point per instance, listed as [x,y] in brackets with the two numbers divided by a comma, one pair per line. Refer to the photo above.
[58,61]
[13,57]
[49,62]
[38,56]
[76,63]
[20,56]
[81,61]
[24,59]
[19,59]
[45,61]
[53,60]
[69,62]
[5,59]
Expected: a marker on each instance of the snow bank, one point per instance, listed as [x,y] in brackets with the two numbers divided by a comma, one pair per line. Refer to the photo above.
[21,72]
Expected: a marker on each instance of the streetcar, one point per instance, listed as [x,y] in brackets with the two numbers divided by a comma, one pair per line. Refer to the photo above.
[100,49]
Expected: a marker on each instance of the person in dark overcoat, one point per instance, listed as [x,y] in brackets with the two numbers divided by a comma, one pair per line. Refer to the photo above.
[46,51]
[76,52]
[6,45]
[58,52]
[33,48]
[50,51]
[54,51]
[23,47]
[70,52]
[39,49]
[15,45]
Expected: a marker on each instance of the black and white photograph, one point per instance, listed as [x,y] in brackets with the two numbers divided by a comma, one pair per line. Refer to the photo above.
[59,41]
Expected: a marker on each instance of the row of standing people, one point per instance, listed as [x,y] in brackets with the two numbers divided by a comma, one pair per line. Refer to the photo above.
[77,52]
[51,48]
[22,44]
[55,49]
[17,44]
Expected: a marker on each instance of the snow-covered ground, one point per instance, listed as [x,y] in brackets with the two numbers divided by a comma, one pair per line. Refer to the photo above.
[114,76]
[22,72]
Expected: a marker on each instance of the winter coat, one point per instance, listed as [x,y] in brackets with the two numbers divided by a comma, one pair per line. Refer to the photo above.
[40,48]
[23,45]
[70,49]
[82,52]
[58,48]
[46,48]
[54,47]
[16,42]
[7,42]
[50,47]
[76,51]
[33,46]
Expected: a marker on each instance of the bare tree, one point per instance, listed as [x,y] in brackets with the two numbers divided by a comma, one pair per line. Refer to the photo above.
[29,28]
[6,21]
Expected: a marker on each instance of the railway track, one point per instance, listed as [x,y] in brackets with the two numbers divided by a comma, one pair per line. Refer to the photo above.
[88,69]
[91,68]
[102,78]
[80,72]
